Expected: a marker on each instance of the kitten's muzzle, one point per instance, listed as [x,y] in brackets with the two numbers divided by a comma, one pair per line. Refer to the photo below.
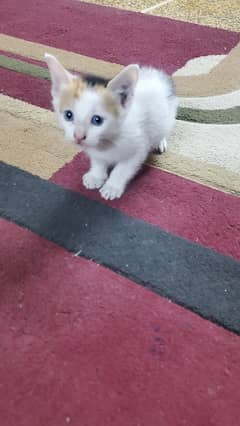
[79,138]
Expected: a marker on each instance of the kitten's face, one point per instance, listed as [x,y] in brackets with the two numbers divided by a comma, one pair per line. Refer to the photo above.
[91,115]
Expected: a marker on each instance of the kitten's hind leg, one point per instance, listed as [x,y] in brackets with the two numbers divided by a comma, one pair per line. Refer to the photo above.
[96,176]
[162,147]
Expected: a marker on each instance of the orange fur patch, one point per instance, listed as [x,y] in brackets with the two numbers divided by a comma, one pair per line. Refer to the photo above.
[110,102]
[76,88]
[72,91]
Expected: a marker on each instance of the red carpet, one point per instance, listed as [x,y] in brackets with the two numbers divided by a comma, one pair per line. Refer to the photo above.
[106,33]
[104,351]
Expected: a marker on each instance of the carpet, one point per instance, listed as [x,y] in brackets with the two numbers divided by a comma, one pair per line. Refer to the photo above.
[126,312]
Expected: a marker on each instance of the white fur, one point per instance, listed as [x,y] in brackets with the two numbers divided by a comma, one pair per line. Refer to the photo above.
[145,120]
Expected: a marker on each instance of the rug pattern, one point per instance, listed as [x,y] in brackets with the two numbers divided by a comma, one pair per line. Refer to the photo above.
[113,312]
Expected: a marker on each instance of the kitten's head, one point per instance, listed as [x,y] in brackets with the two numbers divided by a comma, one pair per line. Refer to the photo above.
[91,115]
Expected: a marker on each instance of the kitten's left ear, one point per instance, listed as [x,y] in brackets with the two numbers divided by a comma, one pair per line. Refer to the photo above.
[123,85]
[59,75]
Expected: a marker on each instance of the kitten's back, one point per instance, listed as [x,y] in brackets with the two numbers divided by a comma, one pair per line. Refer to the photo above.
[154,104]
[152,78]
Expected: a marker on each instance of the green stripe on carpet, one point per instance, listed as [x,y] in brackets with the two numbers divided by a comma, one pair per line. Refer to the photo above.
[219,116]
[23,67]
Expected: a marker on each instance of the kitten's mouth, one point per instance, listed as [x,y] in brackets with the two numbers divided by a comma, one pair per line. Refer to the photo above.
[80,142]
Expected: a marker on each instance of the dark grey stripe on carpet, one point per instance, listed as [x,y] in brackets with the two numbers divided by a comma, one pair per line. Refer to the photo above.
[191,275]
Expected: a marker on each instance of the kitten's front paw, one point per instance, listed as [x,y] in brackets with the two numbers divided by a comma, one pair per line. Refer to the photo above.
[92,182]
[110,192]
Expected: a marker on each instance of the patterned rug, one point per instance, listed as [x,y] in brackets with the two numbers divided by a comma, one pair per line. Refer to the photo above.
[126,312]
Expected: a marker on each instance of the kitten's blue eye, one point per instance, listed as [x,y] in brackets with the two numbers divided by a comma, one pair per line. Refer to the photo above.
[96,120]
[68,115]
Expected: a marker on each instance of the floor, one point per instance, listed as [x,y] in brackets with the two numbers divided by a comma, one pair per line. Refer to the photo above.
[215,13]
[123,312]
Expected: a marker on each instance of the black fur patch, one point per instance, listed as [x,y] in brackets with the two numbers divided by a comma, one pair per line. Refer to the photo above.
[93,80]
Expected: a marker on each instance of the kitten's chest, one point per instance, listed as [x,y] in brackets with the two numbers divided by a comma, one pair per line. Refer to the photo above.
[113,154]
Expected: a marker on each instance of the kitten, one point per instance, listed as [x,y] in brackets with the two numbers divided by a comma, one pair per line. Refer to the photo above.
[117,122]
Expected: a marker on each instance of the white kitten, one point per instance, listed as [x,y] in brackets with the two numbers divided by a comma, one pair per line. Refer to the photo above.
[117,123]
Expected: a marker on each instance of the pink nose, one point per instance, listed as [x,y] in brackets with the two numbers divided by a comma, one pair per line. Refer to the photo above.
[79,139]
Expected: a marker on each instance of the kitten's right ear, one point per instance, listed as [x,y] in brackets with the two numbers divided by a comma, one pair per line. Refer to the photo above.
[59,75]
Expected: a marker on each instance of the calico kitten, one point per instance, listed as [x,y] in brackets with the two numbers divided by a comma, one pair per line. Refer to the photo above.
[117,122]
